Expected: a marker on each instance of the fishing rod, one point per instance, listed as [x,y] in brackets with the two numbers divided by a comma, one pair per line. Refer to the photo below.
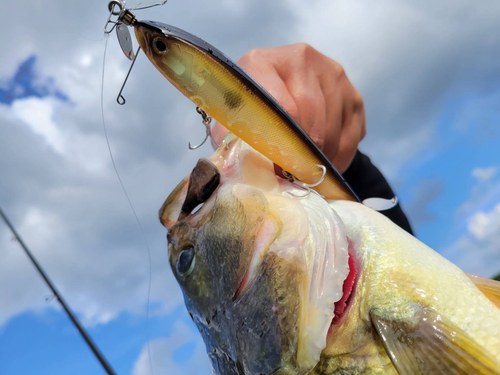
[100,357]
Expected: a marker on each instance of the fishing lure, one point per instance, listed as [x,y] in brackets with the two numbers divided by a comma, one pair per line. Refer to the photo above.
[224,91]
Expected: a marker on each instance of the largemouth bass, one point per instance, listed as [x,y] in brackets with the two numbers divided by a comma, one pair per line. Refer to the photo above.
[227,93]
[280,281]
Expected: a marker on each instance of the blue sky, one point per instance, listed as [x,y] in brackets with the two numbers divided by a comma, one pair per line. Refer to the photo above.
[447,174]
[26,83]
[49,343]
[431,83]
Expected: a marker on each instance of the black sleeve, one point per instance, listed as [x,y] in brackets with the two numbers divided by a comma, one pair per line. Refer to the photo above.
[367,182]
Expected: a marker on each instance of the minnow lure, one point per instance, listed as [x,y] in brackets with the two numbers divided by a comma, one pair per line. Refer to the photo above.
[224,91]
[220,88]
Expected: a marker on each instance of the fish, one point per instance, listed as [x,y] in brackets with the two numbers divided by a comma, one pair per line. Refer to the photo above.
[222,89]
[280,281]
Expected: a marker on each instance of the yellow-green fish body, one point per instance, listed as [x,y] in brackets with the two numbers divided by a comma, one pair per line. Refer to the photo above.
[400,272]
[264,266]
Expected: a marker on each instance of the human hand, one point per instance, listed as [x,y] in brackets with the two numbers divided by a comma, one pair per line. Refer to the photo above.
[315,91]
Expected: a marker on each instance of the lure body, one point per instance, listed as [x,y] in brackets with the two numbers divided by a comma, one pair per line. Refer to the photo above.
[227,93]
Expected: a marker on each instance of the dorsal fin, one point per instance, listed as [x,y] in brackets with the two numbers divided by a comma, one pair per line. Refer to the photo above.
[489,287]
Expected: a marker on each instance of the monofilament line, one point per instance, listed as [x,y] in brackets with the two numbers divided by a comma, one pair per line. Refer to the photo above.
[128,198]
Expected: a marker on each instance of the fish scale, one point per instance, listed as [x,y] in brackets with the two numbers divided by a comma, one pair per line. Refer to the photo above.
[400,268]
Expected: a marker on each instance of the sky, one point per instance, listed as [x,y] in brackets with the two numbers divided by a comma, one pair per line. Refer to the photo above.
[430,77]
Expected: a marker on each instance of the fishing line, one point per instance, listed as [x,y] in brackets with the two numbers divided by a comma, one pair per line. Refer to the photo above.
[140,7]
[128,198]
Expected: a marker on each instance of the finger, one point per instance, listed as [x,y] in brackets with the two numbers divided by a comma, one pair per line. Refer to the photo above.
[353,130]
[351,117]
[334,109]
[347,147]
[300,74]
[359,107]
[262,68]
[305,89]
[332,79]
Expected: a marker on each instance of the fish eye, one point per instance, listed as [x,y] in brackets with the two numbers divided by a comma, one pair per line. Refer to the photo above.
[185,261]
[160,45]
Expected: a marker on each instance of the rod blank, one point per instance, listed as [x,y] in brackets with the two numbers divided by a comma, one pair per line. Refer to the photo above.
[100,357]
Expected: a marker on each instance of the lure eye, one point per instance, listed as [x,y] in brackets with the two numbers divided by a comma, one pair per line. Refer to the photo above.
[185,261]
[159,45]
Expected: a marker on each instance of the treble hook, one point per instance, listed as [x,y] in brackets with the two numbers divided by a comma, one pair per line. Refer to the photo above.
[207,120]
[322,178]
[375,203]
[207,129]
[303,185]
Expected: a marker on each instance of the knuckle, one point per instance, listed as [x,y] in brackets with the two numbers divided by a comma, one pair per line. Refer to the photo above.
[358,101]
[309,105]
[319,141]
[363,128]
[339,71]
[303,47]
[307,99]
[292,109]
[304,50]
[298,46]
[317,135]
[363,131]
[251,56]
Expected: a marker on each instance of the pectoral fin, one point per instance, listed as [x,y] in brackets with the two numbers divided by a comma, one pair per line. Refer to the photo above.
[419,341]
[489,287]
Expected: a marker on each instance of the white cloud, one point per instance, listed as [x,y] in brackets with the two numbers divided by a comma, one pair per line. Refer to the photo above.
[80,228]
[484,174]
[485,225]
[484,195]
[162,355]
[477,223]
[38,115]
[478,250]
[86,60]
